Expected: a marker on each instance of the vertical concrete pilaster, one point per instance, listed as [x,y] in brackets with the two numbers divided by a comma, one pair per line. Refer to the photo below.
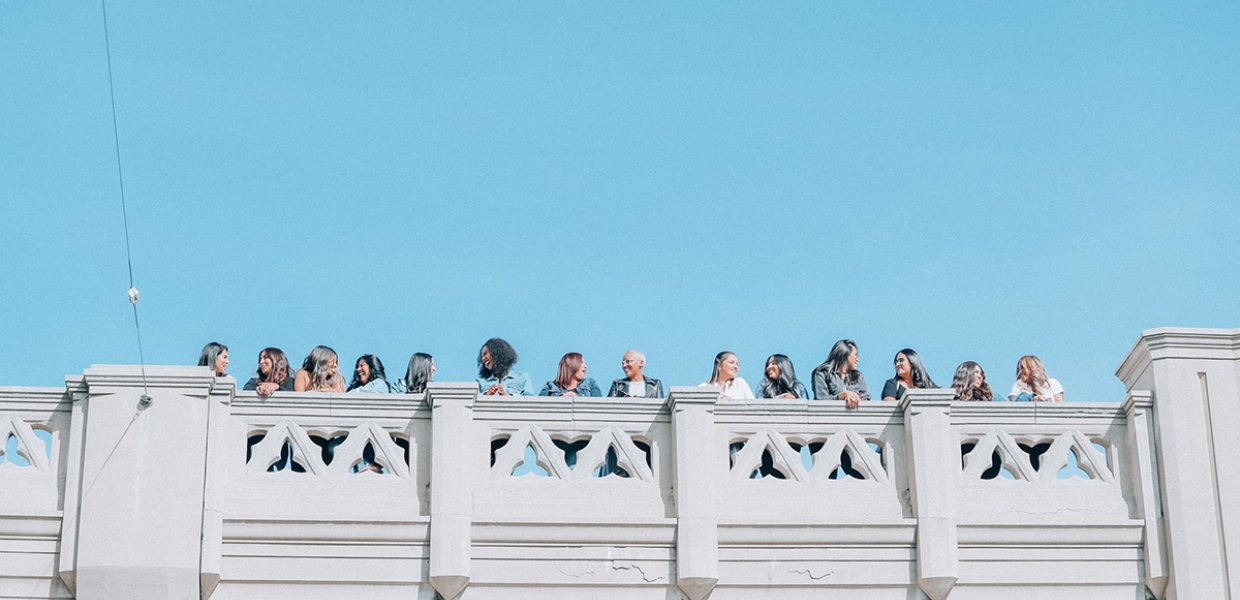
[451,489]
[1193,377]
[135,518]
[697,453]
[934,465]
[1143,467]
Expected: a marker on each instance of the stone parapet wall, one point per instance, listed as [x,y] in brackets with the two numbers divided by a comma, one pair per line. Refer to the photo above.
[206,491]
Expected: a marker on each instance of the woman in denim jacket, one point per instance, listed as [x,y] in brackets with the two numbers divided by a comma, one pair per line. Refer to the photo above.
[571,379]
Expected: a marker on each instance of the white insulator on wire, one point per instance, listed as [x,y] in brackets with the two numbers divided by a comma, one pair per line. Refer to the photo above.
[133,295]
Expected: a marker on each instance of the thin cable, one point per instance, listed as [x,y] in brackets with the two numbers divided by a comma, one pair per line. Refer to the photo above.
[120,176]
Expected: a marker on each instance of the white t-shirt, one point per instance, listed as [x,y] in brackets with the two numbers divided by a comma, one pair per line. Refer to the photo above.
[1020,387]
[737,389]
[637,388]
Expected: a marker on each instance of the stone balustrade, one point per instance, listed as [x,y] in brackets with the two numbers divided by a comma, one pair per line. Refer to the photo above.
[206,491]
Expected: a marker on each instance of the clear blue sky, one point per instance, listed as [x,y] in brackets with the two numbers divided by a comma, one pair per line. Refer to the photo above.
[975,180]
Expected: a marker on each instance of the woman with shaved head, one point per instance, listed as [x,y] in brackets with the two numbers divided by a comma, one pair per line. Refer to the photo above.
[635,384]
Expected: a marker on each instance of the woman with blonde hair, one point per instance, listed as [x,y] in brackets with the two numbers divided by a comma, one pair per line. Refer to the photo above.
[320,372]
[724,375]
[970,383]
[1033,384]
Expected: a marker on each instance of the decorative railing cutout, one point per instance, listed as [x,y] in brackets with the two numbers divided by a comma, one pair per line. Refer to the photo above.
[845,454]
[22,447]
[1071,455]
[608,453]
[365,449]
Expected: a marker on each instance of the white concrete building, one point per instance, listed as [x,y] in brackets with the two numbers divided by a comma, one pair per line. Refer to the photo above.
[104,496]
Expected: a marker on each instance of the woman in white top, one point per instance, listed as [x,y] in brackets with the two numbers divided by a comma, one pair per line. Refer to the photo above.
[1032,383]
[724,376]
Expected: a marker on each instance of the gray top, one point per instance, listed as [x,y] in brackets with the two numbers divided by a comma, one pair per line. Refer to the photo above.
[827,386]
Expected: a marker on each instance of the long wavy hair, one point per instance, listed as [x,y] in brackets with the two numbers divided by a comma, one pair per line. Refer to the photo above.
[719,358]
[376,371]
[418,373]
[1037,381]
[838,357]
[318,366]
[787,382]
[209,353]
[503,357]
[279,366]
[921,379]
[570,363]
[962,383]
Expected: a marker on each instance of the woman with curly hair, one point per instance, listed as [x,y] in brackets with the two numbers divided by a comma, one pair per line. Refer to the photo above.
[910,373]
[970,383]
[273,374]
[495,375]
[1032,382]
[368,376]
[320,372]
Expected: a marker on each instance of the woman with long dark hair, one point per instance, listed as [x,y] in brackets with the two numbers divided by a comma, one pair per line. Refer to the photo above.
[910,373]
[320,372]
[724,375]
[420,371]
[214,355]
[837,378]
[273,374]
[780,380]
[970,383]
[571,379]
[368,376]
[495,374]
[1032,382]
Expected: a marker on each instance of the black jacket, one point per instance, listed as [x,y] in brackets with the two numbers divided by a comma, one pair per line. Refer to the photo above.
[620,388]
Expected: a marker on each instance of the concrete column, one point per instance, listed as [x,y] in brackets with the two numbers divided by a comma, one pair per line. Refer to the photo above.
[1143,472]
[933,469]
[219,409]
[453,448]
[136,512]
[697,454]
[1193,376]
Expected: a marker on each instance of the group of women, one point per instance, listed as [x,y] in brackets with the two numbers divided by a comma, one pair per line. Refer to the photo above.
[837,378]
[320,372]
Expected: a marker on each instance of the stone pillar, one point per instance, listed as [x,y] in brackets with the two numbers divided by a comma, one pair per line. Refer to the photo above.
[1193,376]
[1143,472]
[933,468]
[453,448]
[133,522]
[697,454]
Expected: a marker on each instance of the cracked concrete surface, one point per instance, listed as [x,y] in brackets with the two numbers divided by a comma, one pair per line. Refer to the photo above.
[810,573]
[616,566]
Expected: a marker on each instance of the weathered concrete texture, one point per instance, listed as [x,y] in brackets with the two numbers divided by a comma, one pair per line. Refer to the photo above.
[213,493]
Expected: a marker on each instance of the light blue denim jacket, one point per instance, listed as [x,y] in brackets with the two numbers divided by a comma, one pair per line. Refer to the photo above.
[587,387]
[517,383]
[374,386]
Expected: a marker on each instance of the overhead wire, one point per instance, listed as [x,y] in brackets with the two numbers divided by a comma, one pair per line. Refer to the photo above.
[120,176]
